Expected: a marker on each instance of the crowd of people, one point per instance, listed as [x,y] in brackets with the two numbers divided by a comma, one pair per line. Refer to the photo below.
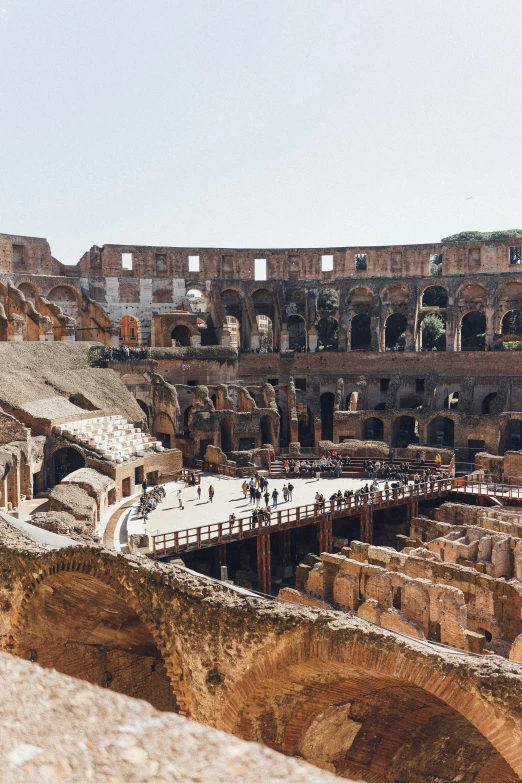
[149,499]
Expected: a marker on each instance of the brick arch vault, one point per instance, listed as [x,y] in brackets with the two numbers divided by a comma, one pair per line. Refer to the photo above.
[376,709]
[86,613]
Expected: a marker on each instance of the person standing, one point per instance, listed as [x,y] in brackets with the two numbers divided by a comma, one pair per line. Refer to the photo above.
[244,487]
[211,493]
[275,495]
[180,499]
[199,491]
[290,490]
[144,487]
[285,493]
[266,497]
[258,496]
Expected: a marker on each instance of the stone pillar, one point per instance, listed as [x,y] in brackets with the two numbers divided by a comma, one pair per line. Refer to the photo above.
[375,333]
[255,340]
[490,326]
[70,333]
[312,340]
[423,433]
[367,525]
[285,340]
[452,337]
[18,323]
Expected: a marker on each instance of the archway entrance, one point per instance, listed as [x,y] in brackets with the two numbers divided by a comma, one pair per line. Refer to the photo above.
[327,334]
[373,429]
[360,333]
[296,333]
[441,432]
[473,331]
[66,461]
[266,430]
[265,328]
[433,333]
[226,435]
[405,431]
[487,402]
[435,296]
[180,336]
[327,401]
[395,332]
[80,626]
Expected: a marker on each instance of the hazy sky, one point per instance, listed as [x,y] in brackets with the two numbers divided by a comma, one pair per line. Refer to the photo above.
[251,123]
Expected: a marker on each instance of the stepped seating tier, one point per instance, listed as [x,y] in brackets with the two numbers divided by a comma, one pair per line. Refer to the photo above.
[116,439]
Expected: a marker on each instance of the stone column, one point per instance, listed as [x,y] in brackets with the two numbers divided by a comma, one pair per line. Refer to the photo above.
[490,325]
[285,340]
[312,340]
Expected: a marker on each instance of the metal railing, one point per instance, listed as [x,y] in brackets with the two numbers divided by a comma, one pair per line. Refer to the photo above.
[279,519]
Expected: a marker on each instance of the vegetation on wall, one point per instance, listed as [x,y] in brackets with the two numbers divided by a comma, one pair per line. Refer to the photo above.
[433,332]
[327,300]
[484,236]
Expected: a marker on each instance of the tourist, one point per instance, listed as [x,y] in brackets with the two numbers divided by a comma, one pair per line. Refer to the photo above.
[422,458]
[285,493]
[180,499]
[199,491]
[266,497]
[244,487]
[211,493]
[438,461]
[275,495]
[290,490]
[144,486]
[258,496]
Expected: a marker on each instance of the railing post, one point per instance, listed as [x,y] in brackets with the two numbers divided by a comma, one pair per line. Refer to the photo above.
[176,541]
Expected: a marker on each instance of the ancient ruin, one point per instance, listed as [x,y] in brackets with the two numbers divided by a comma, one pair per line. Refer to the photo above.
[369,624]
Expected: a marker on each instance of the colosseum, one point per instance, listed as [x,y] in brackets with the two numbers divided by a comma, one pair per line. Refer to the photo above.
[273,491]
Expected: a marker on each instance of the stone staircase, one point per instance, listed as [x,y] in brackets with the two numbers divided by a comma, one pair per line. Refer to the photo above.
[277,469]
[112,437]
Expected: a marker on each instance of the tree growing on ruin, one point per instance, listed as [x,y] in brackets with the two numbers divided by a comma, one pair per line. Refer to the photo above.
[327,300]
[433,332]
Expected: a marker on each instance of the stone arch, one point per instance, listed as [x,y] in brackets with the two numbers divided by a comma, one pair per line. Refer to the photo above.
[79,601]
[395,332]
[181,335]
[434,296]
[441,432]
[370,686]
[472,330]
[29,290]
[486,403]
[360,332]
[405,431]
[65,460]
[373,429]
[163,429]
[67,298]
[426,338]
[395,296]
[328,334]
[471,296]
[511,323]
[265,327]
[296,333]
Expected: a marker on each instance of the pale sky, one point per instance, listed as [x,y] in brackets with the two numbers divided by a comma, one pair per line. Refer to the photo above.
[258,123]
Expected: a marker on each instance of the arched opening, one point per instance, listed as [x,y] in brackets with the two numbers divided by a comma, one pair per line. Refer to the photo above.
[405,431]
[66,461]
[473,331]
[363,722]
[451,401]
[395,332]
[360,333]
[296,333]
[266,332]
[328,334]
[66,298]
[512,324]
[435,296]
[233,306]
[266,430]
[145,408]
[327,401]
[487,402]
[29,291]
[433,333]
[441,432]
[234,331]
[373,429]
[197,301]
[225,428]
[163,430]
[180,336]
[80,626]
[129,331]
[305,425]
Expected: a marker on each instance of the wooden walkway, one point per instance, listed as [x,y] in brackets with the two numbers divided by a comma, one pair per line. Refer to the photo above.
[219,533]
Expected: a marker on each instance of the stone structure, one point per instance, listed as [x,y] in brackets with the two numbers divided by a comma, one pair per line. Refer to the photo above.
[348,696]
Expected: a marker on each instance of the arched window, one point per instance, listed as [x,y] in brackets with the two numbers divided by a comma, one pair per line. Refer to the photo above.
[433,333]
[265,328]
[441,432]
[373,429]
[129,330]
[327,334]
[360,333]
[296,333]
[66,461]
[473,331]
[435,296]
[234,331]
[395,332]
[405,431]
[180,336]
[487,402]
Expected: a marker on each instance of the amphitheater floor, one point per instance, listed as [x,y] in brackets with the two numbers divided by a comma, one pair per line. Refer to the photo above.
[228,499]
